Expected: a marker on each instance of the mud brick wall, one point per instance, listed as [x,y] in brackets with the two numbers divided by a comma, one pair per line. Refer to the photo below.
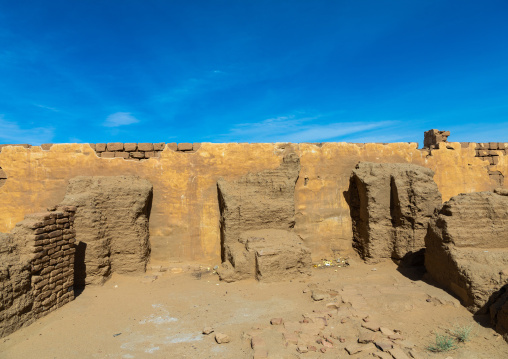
[36,268]
[492,152]
[139,151]
[488,151]
[52,268]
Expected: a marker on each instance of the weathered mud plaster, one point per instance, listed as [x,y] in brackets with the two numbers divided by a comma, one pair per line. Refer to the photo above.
[467,247]
[184,222]
[111,226]
[257,220]
[391,205]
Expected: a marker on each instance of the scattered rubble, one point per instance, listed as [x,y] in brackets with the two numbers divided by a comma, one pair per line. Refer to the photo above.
[221,338]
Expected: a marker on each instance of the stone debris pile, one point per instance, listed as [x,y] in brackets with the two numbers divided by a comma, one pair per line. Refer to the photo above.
[337,327]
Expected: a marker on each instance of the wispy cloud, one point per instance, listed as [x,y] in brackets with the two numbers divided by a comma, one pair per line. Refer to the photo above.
[300,129]
[47,107]
[120,119]
[11,132]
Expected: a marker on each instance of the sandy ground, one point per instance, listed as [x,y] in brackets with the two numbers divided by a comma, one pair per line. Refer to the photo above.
[138,317]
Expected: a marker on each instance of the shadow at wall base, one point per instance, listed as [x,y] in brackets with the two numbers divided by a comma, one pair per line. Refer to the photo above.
[79,268]
[411,259]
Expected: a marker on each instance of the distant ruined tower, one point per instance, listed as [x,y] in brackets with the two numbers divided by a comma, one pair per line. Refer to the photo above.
[433,137]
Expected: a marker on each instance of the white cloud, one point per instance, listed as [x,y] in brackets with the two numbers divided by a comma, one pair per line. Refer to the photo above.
[10,132]
[120,119]
[300,129]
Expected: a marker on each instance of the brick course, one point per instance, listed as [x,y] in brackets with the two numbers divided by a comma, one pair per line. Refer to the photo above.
[140,151]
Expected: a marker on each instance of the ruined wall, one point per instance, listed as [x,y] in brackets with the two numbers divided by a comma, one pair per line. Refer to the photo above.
[467,247]
[184,222]
[391,205]
[491,152]
[258,201]
[36,268]
[257,221]
[139,151]
[111,225]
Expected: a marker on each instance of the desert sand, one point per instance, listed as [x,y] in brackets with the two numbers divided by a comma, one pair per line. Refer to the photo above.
[161,314]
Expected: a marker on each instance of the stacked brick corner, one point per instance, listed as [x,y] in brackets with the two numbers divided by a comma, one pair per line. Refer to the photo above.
[37,268]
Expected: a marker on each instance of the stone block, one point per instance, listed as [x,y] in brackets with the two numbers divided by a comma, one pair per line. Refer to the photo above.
[172,146]
[137,155]
[55,234]
[149,154]
[159,146]
[185,146]
[115,146]
[107,155]
[196,146]
[122,154]
[130,147]
[144,147]
[100,147]
[46,146]
[221,338]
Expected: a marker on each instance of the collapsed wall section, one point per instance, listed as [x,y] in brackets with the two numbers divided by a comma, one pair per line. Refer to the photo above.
[391,205]
[467,247]
[111,224]
[36,268]
[263,199]
[257,218]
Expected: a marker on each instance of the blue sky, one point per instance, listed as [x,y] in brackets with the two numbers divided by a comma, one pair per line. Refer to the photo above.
[252,71]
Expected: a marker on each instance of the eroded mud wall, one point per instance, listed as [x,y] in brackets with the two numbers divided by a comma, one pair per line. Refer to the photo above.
[184,222]
[467,247]
[391,205]
[36,268]
[111,225]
